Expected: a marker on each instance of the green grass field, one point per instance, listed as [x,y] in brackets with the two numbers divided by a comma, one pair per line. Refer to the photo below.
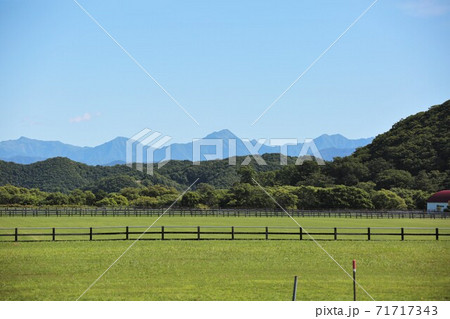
[223,270]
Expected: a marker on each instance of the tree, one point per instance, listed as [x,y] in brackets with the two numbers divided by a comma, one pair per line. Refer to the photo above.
[267,178]
[307,169]
[167,199]
[107,201]
[224,198]
[79,197]
[119,199]
[157,190]
[344,197]
[100,194]
[131,193]
[145,202]
[317,179]
[394,178]
[378,166]
[90,198]
[6,194]
[385,199]
[287,175]
[115,183]
[284,197]
[307,197]
[414,199]
[259,199]
[247,174]
[56,199]
[208,195]
[190,199]
[431,181]
[240,195]
[249,196]
[367,186]
[348,171]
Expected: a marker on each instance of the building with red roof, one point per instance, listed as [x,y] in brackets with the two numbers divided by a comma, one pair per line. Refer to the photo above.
[439,201]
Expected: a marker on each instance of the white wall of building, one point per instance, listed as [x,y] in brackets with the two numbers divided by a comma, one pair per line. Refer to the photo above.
[436,207]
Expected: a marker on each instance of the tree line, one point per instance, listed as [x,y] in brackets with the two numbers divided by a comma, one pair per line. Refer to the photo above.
[241,195]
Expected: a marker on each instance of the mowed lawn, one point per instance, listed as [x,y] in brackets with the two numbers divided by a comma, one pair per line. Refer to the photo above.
[223,270]
[88,221]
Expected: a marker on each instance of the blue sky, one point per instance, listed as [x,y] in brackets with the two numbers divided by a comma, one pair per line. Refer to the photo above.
[62,78]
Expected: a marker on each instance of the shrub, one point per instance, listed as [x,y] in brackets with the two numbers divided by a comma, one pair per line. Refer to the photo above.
[385,199]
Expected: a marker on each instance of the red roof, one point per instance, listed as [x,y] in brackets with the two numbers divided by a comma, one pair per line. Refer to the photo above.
[440,197]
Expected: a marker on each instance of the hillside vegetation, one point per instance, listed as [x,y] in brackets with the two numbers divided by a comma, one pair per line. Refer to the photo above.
[398,170]
[61,174]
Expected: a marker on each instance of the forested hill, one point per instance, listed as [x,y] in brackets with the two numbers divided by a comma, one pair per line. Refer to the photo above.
[419,142]
[414,154]
[61,174]
[419,145]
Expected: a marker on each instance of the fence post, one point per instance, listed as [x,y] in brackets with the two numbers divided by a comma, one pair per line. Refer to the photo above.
[368,233]
[354,280]
[335,233]
[162,232]
[402,234]
[294,294]
[232,232]
[126,233]
[198,232]
[301,233]
[16,234]
[90,233]
[267,233]
[437,233]
[53,233]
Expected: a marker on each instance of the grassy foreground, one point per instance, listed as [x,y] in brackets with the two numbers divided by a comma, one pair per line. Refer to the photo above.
[87,221]
[222,270]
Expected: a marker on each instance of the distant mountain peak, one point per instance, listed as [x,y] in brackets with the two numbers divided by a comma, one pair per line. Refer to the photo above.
[33,140]
[25,150]
[326,141]
[120,138]
[25,139]
[222,134]
[332,135]
[337,135]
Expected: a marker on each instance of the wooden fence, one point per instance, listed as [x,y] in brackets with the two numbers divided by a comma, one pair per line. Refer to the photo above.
[177,212]
[220,233]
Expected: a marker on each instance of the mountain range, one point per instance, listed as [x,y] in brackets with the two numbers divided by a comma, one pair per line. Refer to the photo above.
[413,155]
[26,151]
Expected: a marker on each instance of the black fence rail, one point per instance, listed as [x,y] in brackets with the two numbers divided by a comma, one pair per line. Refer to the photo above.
[220,233]
[177,212]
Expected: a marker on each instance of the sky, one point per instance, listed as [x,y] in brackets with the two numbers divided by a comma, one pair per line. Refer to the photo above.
[224,62]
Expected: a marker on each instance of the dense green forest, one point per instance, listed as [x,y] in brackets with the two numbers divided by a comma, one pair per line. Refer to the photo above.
[398,170]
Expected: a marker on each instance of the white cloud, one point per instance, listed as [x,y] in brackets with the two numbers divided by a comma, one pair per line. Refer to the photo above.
[425,8]
[83,118]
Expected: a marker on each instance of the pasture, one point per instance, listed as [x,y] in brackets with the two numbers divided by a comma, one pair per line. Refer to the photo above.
[223,270]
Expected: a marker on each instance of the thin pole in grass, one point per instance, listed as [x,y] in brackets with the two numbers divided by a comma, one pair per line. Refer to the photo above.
[354,279]
[294,294]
